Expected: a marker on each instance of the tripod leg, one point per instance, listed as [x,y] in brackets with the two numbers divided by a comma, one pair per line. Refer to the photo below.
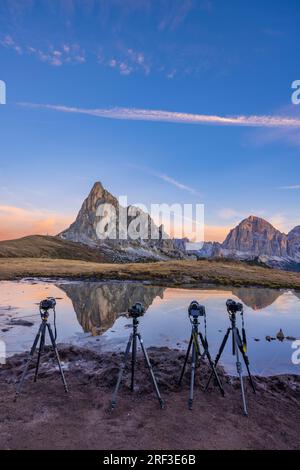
[133,360]
[57,357]
[122,369]
[30,356]
[193,367]
[151,371]
[185,360]
[239,369]
[246,361]
[205,346]
[218,356]
[41,347]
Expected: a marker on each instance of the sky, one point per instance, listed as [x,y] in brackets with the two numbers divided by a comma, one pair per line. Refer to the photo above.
[165,101]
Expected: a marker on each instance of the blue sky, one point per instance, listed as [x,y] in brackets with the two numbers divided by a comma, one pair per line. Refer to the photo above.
[195,60]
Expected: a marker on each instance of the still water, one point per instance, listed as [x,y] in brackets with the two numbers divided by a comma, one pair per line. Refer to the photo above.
[90,314]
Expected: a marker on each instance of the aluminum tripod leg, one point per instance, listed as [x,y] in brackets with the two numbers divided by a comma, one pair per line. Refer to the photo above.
[185,360]
[192,383]
[122,369]
[41,348]
[223,344]
[246,361]
[214,372]
[151,371]
[57,356]
[133,359]
[30,357]
[239,368]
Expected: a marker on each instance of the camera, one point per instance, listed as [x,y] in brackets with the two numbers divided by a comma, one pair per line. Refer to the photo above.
[137,310]
[48,303]
[233,306]
[196,310]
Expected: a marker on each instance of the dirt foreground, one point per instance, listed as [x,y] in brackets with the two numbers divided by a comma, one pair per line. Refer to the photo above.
[44,417]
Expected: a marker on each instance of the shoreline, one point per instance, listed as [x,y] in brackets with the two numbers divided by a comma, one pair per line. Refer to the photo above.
[81,420]
[189,274]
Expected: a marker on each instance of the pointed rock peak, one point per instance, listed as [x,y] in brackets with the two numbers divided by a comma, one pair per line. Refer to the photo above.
[99,193]
[97,188]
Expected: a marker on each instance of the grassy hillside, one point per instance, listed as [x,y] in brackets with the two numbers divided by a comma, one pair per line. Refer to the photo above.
[39,246]
[170,273]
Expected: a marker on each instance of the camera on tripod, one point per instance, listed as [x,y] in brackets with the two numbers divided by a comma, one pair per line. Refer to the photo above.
[48,303]
[137,310]
[233,306]
[196,310]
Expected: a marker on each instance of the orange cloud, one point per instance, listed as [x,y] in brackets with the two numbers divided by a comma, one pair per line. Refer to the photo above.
[16,222]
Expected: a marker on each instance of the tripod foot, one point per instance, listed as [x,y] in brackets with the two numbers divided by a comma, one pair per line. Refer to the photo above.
[162,404]
[112,406]
[190,404]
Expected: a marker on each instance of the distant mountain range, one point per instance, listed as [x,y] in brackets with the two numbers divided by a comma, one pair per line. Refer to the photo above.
[257,240]
[253,239]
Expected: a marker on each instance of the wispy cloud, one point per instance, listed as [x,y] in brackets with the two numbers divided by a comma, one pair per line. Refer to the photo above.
[177,184]
[167,179]
[135,114]
[293,186]
[56,56]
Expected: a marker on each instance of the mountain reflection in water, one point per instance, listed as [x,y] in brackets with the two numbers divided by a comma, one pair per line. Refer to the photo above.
[98,305]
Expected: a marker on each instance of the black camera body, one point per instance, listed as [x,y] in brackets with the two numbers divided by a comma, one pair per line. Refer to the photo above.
[233,306]
[137,310]
[47,304]
[196,310]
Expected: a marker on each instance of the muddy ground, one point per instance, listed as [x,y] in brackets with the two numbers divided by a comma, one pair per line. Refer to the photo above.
[44,417]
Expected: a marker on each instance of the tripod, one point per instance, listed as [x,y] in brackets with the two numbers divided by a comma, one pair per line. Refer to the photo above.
[237,345]
[133,342]
[194,344]
[41,335]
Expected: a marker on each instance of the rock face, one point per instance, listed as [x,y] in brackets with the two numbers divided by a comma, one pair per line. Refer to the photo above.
[258,237]
[293,242]
[255,239]
[85,230]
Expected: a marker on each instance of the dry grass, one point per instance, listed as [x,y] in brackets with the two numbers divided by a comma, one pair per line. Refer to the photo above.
[171,273]
[41,246]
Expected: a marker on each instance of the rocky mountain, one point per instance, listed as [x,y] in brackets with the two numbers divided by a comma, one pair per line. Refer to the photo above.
[253,239]
[85,230]
[256,236]
[256,239]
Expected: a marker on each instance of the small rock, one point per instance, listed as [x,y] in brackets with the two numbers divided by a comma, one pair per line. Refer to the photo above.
[270,338]
[256,339]
[280,336]
[290,338]
[21,322]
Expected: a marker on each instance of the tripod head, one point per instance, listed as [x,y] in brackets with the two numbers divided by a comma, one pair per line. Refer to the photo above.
[195,311]
[233,308]
[46,305]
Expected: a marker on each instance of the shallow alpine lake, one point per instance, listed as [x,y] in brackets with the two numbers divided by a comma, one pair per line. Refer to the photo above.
[91,314]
